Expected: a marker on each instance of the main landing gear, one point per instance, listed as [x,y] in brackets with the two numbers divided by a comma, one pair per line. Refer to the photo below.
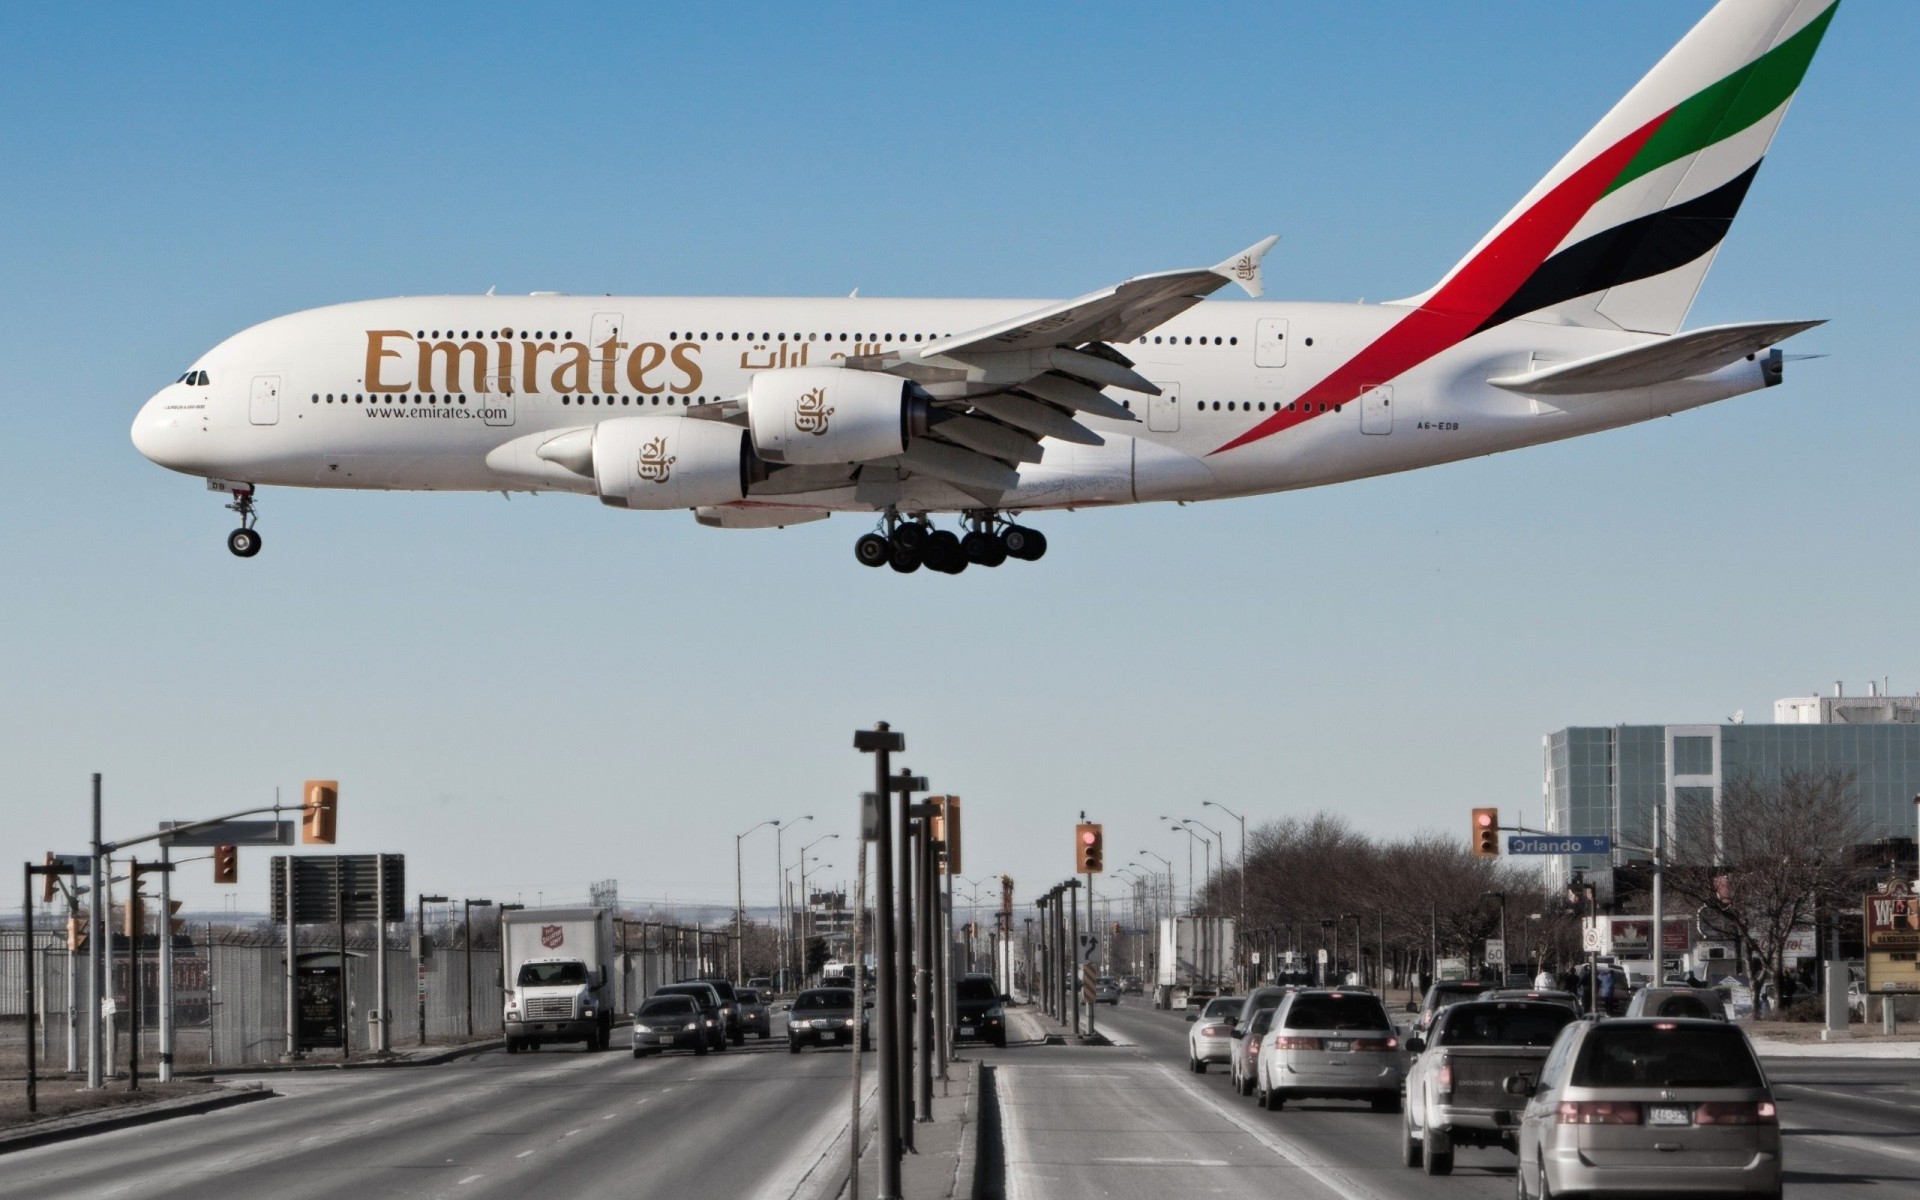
[908,545]
[244,541]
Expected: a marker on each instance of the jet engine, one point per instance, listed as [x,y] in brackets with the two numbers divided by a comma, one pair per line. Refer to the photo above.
[669,462]
[824,415]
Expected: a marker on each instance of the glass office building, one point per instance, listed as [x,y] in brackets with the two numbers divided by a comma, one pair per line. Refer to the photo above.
[1612,780]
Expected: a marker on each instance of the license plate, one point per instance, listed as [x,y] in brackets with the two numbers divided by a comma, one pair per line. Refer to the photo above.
[1668,1114]
[966,1031]
[1339,1043]
[830,1036]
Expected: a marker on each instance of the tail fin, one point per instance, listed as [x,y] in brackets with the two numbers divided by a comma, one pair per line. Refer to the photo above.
[1621,233]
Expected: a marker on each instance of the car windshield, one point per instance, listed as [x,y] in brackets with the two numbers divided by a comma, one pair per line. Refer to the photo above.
[1684,1004]
[668,1006]
[1222,1006]
[822,999]
[699,993]
[1619,1054]
[1444,994]
[551,974]
[1335,1011]
[748,996]
[1504,1024]
[976,989]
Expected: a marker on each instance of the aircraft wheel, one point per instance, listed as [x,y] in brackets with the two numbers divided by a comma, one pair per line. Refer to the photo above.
[904,560]
[1023,543]
[245,543]
[911,535]
[873,550]
[943,553]
[983,549]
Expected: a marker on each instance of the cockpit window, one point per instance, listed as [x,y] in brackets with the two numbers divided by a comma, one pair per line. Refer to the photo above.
[203,381]
[195,379]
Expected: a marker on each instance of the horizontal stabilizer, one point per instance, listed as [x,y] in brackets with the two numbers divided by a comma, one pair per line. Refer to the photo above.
[1682,356]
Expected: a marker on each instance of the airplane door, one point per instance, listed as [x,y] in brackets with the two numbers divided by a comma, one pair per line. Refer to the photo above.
[606,328]
[1270,343]
[1163,411]
[1376,409]
[263,403]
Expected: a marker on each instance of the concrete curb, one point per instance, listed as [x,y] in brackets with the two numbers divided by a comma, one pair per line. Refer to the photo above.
[64,1129]
[1886,1051]
[966,1170]
[434,1059]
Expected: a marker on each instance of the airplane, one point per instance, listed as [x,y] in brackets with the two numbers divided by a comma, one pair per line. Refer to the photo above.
[1566,319]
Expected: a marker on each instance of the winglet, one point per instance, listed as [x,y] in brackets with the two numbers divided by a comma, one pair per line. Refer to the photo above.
[1244,267]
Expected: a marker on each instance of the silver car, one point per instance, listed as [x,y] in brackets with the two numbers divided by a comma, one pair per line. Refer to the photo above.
[1210,1040]
[1654,1107]
[1331,1043]
[1703,1003]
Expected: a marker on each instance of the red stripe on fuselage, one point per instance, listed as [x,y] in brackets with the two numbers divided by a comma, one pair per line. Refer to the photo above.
[1474,293]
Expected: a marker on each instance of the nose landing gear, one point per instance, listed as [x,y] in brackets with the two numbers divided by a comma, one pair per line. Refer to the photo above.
[908,545]
[244,542]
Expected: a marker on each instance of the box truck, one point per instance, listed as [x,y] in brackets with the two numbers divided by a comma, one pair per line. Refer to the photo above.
[1196,958]
[557,976]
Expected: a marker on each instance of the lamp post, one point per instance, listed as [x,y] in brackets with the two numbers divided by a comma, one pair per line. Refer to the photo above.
[740,907]
[1243,871]
[1359,967]
[420,955]
[780,883]
[1207,883]
[466,944]
[800,959]
[1191,838]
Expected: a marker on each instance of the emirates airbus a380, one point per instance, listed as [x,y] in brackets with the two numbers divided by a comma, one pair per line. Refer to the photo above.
[1566,319]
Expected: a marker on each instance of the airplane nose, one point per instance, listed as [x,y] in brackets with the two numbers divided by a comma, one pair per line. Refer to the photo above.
[163,435]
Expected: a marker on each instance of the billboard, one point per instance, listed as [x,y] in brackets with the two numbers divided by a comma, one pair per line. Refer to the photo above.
[1892,926]
[1633,935]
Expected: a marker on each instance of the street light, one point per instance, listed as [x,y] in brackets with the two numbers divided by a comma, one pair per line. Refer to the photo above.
[420,952]
[466,944]
[1243,861]
[801,956]
[740,907]
[780,884]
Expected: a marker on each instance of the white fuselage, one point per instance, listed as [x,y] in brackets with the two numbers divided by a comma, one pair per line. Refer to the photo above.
[449,393]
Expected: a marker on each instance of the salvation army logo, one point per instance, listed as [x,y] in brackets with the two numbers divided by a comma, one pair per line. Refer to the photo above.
[551,936]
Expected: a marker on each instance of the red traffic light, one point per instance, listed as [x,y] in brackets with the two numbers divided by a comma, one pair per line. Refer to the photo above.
[1087,837]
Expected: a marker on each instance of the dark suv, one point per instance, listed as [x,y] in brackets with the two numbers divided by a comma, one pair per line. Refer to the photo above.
[730,1004]
[979,1011]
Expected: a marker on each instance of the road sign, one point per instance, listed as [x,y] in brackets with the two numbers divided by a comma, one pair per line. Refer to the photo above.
[1496,952]
[1590,936]
[1559,843]
[1088,984]
[326,884]
[229,833]
[1089,947]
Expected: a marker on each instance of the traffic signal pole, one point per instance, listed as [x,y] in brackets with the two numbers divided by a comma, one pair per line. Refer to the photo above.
[881,742]
[1083,970]
[165,926]
[1073,958]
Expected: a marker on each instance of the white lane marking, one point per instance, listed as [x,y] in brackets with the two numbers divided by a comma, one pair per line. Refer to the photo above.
[1902,1105]
[609,1116]
[1300,1156]
[523,1154]
[1161,1162]
[569,1133]
[470,1179]
[1861,1143]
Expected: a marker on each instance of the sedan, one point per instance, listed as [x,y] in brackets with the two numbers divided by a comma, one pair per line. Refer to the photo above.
[1248,1053]
[1107,991]
[670,1023]
[755,1017]
[826,1017]
[1210,1040]
[1649,1107]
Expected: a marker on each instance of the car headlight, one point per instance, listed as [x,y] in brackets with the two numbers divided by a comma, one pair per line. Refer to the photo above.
[995,1013]
[693,1025]
[639,1028]
[586,1012]
[709,1020]
[849,1022]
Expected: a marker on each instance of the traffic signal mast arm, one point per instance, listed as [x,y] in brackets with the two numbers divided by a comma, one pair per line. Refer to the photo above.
[189,826]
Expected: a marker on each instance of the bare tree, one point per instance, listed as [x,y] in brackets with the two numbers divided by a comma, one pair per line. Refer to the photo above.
[1771,855]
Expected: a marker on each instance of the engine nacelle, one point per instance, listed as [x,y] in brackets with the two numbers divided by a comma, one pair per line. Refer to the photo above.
[672,462]
[824,415]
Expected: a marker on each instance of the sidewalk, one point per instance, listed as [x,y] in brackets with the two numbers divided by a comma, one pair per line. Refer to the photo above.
[121,1110]
[1854,1047]
[946,1151]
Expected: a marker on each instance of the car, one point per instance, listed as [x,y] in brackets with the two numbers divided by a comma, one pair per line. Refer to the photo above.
[1544,995]
[1456,1083]
[673,1022]
[1210,1040]
[1654,1107]
[826,1017]
[755,1017]
[762,983]
[1247,1049]
[1444,993]
[1106,991]
[730,1005]
[1701,1003]
[709,1000]
[1133,985]
[979,1010]
[1333,1043]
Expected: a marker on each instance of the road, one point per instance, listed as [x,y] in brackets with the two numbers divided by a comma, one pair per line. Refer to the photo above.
[751,1121]
[1130,1123]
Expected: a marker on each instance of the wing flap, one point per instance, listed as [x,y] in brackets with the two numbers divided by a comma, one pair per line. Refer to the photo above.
[1682,356]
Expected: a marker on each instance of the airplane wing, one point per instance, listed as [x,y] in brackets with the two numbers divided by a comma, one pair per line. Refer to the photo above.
[1668,360]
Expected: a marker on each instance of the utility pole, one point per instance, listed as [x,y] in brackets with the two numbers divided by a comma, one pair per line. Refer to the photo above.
[97,987]
[421,948]
[740,908]
[882,742]
[1241,924]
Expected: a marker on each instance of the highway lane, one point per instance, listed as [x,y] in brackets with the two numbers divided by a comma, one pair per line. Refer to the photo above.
[1131,1123]
[750,1121]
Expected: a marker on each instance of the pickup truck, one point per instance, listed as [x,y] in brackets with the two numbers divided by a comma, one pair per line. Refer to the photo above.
[1456,1087]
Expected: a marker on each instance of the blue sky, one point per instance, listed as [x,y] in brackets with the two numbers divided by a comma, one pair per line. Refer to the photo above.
[526,695]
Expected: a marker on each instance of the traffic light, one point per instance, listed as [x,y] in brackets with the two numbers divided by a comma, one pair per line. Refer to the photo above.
[950,825]
[136,912]
[76,934]
[175,925]
[226,864]
[319,806]
[1090,850]
[1118,930]
[1486,833]
[49,883]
